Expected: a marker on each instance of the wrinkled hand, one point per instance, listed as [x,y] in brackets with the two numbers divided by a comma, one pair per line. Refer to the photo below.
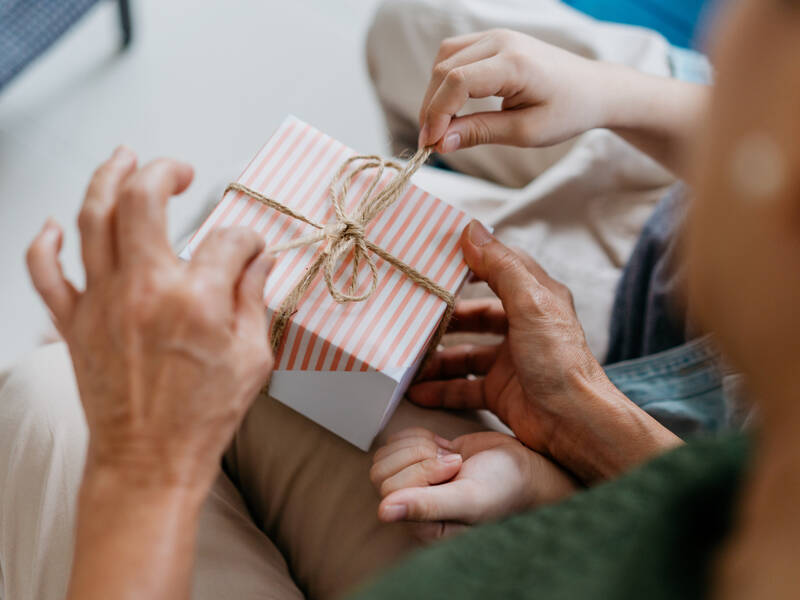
[168,355]
[542,380]
[444,485]
[549,94]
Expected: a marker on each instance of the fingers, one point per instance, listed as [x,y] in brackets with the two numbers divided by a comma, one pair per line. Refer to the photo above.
[457,394]
[140,218]
[453,501]
[481,315]
[442,467]
[48,278]
[459,361]
[250,296]
[488,77]
[413,458]
[502,269]
[225,253]
[451,46]
[490,127]
[415,446]
[95,219]
[452,55]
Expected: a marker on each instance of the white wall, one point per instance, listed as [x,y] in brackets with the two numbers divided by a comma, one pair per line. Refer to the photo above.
[204,81]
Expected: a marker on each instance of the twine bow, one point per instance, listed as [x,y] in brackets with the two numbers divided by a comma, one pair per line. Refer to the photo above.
[347,234]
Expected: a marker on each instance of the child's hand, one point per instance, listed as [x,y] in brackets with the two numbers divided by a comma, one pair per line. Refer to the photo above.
[549,94]
[444,485]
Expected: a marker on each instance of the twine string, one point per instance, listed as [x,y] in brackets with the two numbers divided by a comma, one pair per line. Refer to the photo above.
[346,234]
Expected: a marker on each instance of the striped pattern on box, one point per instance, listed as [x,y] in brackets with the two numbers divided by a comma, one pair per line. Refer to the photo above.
[390,329]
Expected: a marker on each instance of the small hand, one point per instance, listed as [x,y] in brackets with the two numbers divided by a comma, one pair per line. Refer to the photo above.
[542,380]
[549,94]
[168,355]
[444,485]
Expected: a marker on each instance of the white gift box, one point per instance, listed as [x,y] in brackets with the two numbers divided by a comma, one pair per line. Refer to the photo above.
[345,365]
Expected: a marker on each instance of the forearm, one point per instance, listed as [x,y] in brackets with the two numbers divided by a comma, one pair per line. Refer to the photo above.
[134,539]
[658,115]
[610,436]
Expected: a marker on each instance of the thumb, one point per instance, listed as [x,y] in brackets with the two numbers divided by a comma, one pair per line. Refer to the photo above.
[491,127]
[500,267]
[454,501]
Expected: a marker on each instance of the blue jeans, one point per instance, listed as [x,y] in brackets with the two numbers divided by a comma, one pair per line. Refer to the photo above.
[682,388]
[678,380]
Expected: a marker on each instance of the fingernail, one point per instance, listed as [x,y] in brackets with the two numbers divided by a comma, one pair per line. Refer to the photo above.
[423,136]
[394,512]
[450,459]
[478,234]
[451,142]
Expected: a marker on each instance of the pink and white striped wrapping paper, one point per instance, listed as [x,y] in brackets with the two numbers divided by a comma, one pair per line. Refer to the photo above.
[389,331]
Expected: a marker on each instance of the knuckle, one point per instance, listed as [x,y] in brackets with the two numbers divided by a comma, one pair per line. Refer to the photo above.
[100,177]
[447,44]
[376,474]
[502,35]
[535,299]
[140,190]
[193,301]
[480,131]
[517,58]
[440,70]
[455,77]
[90,217]
[141,298]
[565,293]
[386,487]
[422,452]
[505,261]
[422,509]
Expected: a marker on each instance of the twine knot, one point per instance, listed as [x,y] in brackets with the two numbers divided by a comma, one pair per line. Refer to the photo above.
[347,234]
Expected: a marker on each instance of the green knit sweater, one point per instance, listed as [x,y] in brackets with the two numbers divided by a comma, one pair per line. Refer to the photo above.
[652,534]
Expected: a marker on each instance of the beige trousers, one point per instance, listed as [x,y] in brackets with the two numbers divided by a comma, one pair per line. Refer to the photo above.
[294,513]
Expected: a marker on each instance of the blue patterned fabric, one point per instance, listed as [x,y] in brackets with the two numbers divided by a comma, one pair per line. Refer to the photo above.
[29,27]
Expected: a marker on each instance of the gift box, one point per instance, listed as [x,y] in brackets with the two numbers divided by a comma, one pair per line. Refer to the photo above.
[345,364]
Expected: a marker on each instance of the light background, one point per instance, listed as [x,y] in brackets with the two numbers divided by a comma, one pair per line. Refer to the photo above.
[204,81]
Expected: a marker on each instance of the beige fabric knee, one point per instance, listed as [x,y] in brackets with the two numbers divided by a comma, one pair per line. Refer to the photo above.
[305,486]
[43,438]
[310,491]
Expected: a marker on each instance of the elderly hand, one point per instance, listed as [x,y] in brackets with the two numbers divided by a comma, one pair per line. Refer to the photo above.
[549,94]
[443,485]
[543,380]
[168,355]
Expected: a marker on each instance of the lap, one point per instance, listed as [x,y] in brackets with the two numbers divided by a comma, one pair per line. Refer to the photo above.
[43,439]
[310,492]
[298,505]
